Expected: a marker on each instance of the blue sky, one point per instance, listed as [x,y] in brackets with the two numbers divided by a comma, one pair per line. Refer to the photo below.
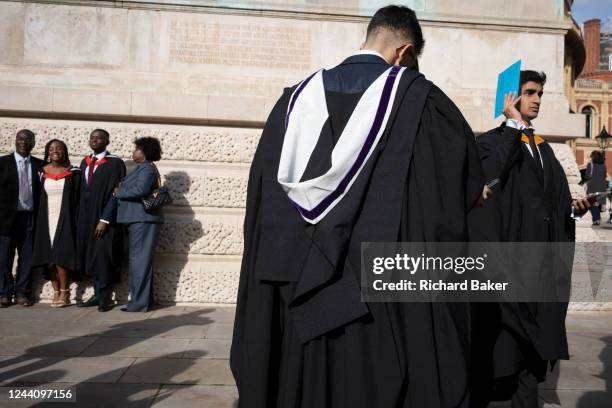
[583,10]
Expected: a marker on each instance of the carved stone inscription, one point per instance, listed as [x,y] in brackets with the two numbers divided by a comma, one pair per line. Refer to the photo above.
[246,44]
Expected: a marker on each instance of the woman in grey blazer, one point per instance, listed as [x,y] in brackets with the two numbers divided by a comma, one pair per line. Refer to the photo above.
[142,227]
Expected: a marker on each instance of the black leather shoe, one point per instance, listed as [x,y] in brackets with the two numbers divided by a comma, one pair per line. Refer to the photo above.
[5,301]
[124,309]
[104,307]
[93,301]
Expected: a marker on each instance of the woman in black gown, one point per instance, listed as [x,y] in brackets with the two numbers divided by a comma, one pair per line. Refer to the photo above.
[54,242]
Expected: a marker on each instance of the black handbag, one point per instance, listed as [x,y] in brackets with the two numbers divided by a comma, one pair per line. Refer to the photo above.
[159,197]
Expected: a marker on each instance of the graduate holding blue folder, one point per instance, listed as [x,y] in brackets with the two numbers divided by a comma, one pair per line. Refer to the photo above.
[515,344]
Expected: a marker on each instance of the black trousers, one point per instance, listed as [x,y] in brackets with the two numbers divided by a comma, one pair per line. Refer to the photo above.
[102,291]
[20,239]
[526,395]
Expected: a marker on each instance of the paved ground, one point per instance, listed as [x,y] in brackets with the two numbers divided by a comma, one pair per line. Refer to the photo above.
[171,357]
[177,357]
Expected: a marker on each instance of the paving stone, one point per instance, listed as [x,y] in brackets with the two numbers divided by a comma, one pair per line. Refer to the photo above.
[589,322]
[576,398]
[208,348]
[57,369]
[44,346]
[196,396]
[590,347]
[181,315]
[116,315]
[570,375]
[135,347]
[150,329]
[42,312]
[179,371]
[220,331]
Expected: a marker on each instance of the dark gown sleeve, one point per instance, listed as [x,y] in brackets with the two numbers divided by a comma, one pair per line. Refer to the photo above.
[257,317]
[445,178]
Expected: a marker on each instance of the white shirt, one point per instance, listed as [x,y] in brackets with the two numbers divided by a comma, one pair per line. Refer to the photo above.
[517,124]
[99,157]
[27,206]
[369,52]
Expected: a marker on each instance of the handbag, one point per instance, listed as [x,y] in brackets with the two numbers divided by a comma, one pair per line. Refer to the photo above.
[159,197]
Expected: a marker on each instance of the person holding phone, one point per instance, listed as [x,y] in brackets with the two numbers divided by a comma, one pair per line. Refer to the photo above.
[595,177]
[530,202]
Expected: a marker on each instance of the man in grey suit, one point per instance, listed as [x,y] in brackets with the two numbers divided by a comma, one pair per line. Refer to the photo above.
[142,227]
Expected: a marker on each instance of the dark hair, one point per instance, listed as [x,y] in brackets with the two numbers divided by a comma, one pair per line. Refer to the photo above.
[150,147]
[532,76]
[597,157]
[26,132]
[401,19]
[104,132]
[66,159]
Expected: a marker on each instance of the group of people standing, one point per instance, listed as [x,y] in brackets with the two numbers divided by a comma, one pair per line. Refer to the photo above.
[68,221]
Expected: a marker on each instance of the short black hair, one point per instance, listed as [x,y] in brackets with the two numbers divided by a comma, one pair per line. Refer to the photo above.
[398,18]
[597,157]
[532,76]
[104,132]
[26,132]
[150,146]
[66,159]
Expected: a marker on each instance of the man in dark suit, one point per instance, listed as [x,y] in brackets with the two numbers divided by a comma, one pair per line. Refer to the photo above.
[20,191]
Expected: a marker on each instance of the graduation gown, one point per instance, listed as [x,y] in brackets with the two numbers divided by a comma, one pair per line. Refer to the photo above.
[63,251]
[100,259]
[524,207]
[302,336]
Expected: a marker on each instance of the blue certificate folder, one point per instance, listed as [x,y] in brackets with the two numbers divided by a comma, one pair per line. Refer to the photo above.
[507,81]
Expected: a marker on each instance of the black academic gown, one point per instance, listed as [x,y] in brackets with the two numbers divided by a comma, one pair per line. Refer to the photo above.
[63,251]
[100,259]
[302,336]
[510,337]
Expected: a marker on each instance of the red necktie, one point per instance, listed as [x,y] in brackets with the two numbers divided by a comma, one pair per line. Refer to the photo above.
[90,170]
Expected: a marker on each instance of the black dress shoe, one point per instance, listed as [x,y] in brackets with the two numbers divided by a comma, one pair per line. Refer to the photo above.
[5,301]
[104,307]
[93,301]
[124,309]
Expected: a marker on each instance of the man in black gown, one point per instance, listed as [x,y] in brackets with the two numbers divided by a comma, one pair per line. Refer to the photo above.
[99,238]
[302,336]
[531,202]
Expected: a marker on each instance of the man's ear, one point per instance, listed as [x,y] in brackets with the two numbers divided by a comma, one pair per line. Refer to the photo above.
[406,57]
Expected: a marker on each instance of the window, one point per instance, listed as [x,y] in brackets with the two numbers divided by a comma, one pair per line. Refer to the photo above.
[588,112]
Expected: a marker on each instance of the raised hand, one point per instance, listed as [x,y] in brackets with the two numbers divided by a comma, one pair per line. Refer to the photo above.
[510,111]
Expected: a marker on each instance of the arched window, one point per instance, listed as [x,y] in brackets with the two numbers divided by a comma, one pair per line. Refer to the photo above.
[588,112]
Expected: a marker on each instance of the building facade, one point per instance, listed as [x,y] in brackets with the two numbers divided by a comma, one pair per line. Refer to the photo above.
[592,93]
[203,75]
